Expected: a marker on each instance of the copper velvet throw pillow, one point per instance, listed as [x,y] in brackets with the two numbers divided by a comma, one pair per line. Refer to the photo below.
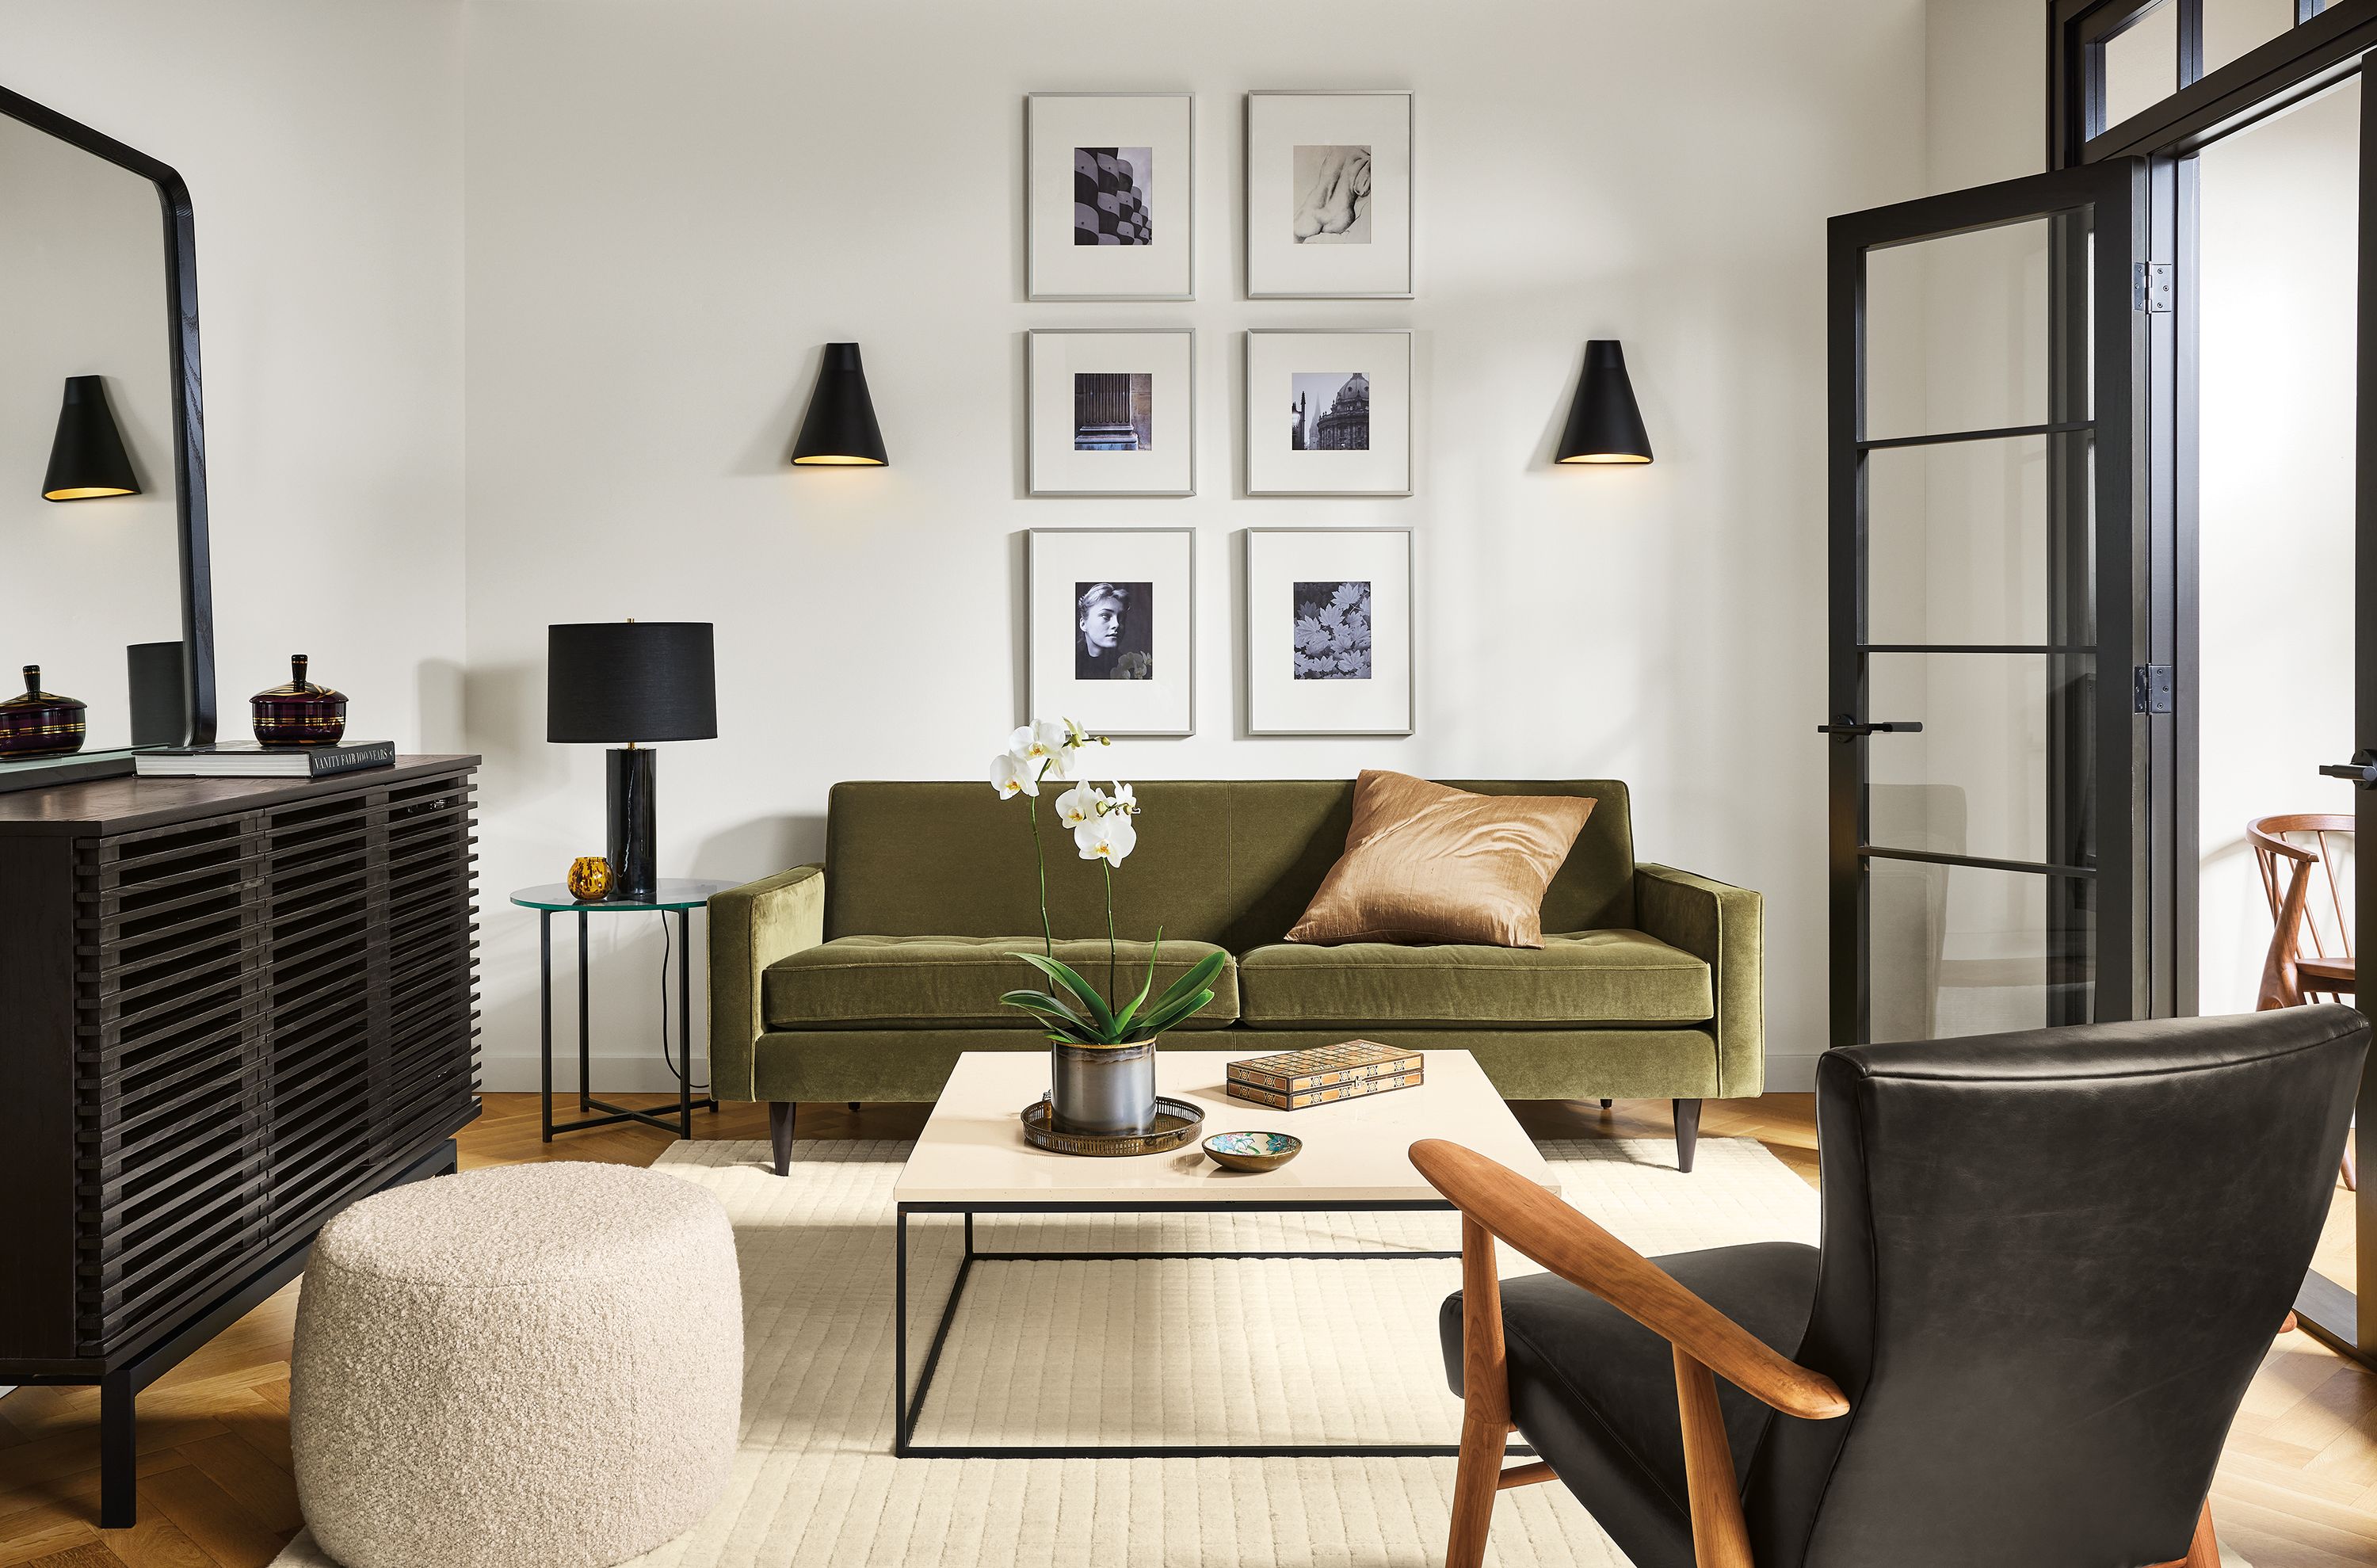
[1427,864]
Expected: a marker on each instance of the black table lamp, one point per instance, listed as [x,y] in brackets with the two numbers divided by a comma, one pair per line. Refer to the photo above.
[621,683]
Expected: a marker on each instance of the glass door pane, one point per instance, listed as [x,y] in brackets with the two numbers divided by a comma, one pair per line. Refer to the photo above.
[2142,64]
[2232,28]
[1958,548]
[1968,949]
[1956,332]
[1993,760]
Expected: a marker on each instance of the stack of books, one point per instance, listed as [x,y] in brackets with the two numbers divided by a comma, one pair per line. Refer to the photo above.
[1294,1080]
[233,759]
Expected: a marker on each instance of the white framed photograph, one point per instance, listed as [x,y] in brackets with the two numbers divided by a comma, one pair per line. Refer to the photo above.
[1329,194]
[1111,411]
[1107,184]
[1110,633]
[1328,414]
[1329,632]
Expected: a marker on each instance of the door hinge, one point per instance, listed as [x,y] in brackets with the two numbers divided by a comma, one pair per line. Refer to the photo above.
[2156,288]
[2151,689]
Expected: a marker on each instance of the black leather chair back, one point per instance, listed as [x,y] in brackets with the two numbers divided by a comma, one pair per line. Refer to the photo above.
[2052,1262]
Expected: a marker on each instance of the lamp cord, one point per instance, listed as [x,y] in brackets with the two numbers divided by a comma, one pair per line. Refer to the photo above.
[679,1074]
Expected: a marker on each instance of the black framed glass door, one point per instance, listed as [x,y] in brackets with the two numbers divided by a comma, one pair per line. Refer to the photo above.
[1992,619]
[2131,78]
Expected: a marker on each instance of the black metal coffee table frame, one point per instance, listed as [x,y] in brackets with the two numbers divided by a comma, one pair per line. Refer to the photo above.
[907,1409]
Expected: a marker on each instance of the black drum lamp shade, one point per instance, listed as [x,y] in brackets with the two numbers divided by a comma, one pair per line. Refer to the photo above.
[614,682]
[620,684]
[839,429]
[88,460]
[1604,425]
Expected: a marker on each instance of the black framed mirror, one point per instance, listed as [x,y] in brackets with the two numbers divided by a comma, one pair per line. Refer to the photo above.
[102,456]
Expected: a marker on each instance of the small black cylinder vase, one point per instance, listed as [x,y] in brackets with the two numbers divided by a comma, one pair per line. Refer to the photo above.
[634,835]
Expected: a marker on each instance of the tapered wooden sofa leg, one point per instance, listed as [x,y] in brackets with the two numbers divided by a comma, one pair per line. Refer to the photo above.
[1687,1132]
[780,1132]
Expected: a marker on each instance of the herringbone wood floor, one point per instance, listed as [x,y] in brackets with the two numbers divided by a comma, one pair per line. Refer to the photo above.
[2297,1487]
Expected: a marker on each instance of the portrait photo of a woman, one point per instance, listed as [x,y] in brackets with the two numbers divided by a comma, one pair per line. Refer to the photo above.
[1114,630]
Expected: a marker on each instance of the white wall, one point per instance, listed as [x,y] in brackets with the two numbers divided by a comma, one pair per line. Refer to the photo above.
[1985,92]
[322,145]
[672,207]
[2281,205]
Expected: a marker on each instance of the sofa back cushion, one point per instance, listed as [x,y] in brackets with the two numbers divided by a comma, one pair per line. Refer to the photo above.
[1232,862]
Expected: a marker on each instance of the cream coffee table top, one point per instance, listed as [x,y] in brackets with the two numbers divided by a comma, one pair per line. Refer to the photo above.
[971,1150]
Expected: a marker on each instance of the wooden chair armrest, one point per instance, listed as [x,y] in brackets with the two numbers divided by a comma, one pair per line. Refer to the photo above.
[1513,1208]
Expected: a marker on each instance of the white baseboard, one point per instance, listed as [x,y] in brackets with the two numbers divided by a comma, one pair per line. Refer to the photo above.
[640,1073]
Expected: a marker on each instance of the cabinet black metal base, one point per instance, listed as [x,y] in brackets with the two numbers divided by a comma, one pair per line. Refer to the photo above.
[119,1387]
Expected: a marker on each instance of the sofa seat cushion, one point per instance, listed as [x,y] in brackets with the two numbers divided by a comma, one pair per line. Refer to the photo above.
[1575,978]
[955,982]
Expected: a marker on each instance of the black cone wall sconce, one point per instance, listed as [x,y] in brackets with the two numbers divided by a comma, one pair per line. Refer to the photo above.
[1604,426]
[839,429]
[88,460]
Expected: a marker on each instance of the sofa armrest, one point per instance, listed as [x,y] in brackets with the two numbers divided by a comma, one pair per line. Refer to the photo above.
[750,927]
[1719,925]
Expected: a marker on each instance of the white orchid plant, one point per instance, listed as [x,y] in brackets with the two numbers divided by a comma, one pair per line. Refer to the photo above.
[1075,1012]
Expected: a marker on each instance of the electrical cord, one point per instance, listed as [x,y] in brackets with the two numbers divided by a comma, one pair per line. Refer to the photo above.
[679,1074]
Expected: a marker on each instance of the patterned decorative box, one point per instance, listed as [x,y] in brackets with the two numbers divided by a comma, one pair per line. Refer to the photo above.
[1352,1090]
[1293,1079]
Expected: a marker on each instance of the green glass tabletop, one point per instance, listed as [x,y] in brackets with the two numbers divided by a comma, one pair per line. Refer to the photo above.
[675,893]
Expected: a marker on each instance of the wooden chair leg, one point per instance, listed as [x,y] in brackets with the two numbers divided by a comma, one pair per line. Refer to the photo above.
[780,1133]
[1720,1535]
[1485,1400]
[2204,1551]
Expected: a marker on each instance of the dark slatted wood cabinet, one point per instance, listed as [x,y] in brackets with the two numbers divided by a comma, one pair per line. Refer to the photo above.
[228,1008]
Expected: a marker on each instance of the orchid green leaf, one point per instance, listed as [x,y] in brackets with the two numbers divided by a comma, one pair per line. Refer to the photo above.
[1063,974]
[1163,1018]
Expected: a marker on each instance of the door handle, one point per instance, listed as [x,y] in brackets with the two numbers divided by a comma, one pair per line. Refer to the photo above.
[1846,728]
[2361,770]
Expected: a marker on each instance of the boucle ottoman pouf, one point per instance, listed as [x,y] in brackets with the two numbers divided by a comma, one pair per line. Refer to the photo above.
[529,1367]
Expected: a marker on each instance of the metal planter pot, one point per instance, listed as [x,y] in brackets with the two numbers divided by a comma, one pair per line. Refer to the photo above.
[1102,1089]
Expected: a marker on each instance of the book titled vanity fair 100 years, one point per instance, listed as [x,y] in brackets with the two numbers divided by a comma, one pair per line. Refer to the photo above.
[1295,1079]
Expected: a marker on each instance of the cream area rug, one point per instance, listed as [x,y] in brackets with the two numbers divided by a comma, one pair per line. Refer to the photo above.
[1174,1352]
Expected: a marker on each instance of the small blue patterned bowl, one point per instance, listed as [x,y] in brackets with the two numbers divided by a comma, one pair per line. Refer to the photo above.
[1252,1151]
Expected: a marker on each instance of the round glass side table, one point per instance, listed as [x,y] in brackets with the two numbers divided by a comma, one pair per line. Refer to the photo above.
[675,894]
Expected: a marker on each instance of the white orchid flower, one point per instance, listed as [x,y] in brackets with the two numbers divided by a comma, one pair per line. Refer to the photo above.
[1012,775]
[1043,747]
[1081,803]
[1108,838]
[1125,802]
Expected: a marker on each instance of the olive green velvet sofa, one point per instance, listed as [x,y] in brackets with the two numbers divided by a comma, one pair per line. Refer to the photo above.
[862,979]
